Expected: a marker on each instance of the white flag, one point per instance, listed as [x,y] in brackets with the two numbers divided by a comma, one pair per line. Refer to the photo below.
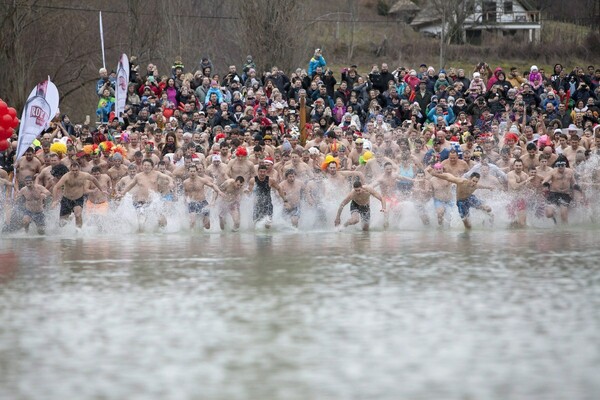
[40,108]
[121,89]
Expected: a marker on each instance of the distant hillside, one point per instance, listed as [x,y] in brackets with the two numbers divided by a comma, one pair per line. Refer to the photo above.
[374,37]
[33,44]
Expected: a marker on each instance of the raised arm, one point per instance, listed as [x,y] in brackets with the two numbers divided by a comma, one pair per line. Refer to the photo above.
[513,184]
[479,186]
[280,191]
[548,178]
[20,194]
[250,186]
[378,197]
[5,182]
[92,179]
[356,174]
[45,192]
[215,187]
[341,207]
[216,190]
[447,177]
[58,186]
[169,179]
[129,186]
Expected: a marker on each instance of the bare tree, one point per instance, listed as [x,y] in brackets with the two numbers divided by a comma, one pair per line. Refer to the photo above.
[353,10]
[271,30]
[453,14]
[17,52]
[33,46]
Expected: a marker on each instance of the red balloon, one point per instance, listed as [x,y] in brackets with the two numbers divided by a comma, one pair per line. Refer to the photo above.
[6,121]
[6,133]
[15,122]
[12,112]
[4,145]
[3,107]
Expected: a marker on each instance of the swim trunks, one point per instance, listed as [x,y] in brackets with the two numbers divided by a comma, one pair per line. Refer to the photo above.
[37,217]
[515,206]
[437,203]
[97,208]
[168,197]
[363,210]
[464,206]
[292,212]
[67,206]
[199,207]
[559,199]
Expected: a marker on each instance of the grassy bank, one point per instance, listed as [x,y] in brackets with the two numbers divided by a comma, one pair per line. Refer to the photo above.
[385,40]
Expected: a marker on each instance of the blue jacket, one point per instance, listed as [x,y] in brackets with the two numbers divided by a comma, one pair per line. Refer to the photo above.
[448,117]
[214,90]
[314,63]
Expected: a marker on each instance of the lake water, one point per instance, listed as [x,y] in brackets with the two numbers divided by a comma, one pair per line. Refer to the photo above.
[414,314]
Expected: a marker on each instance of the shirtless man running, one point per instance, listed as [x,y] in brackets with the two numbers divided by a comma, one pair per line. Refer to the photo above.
[97,200]
[73,184]
[518,181]
[561,182]
[29,165]
[360,208]
[443,198]
[294,191]
[241,165]
[34,196]
[388,184]
[195,197]
[147,183]
[45,177]
[422,192]
[464,194]
[217,170]
[126,180]
[232,190]
[118,170]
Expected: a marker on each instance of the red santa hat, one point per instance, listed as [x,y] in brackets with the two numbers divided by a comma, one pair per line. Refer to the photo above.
[241,152]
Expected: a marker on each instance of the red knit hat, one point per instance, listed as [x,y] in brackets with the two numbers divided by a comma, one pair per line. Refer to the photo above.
[241,152]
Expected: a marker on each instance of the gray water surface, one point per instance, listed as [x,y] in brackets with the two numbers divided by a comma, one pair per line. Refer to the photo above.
[302,315]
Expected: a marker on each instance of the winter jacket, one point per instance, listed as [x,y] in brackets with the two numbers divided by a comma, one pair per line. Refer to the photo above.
[201,93]
[314,63]
[439,83]
[477,83]
[448,116]
[494,78]
[211,91]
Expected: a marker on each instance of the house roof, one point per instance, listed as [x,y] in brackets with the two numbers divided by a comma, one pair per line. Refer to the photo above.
[426,15]
[429,14]
[403,6]
[528,5]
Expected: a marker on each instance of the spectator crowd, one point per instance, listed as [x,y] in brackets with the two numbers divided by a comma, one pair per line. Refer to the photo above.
[418,120]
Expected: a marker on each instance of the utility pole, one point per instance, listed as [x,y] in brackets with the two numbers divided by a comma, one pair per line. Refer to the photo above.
[443,37]
[302,120]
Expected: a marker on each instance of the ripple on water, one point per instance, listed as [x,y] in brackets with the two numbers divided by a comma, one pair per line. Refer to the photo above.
[421,315]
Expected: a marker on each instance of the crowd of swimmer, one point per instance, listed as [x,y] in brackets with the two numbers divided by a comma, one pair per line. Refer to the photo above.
[414,139]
